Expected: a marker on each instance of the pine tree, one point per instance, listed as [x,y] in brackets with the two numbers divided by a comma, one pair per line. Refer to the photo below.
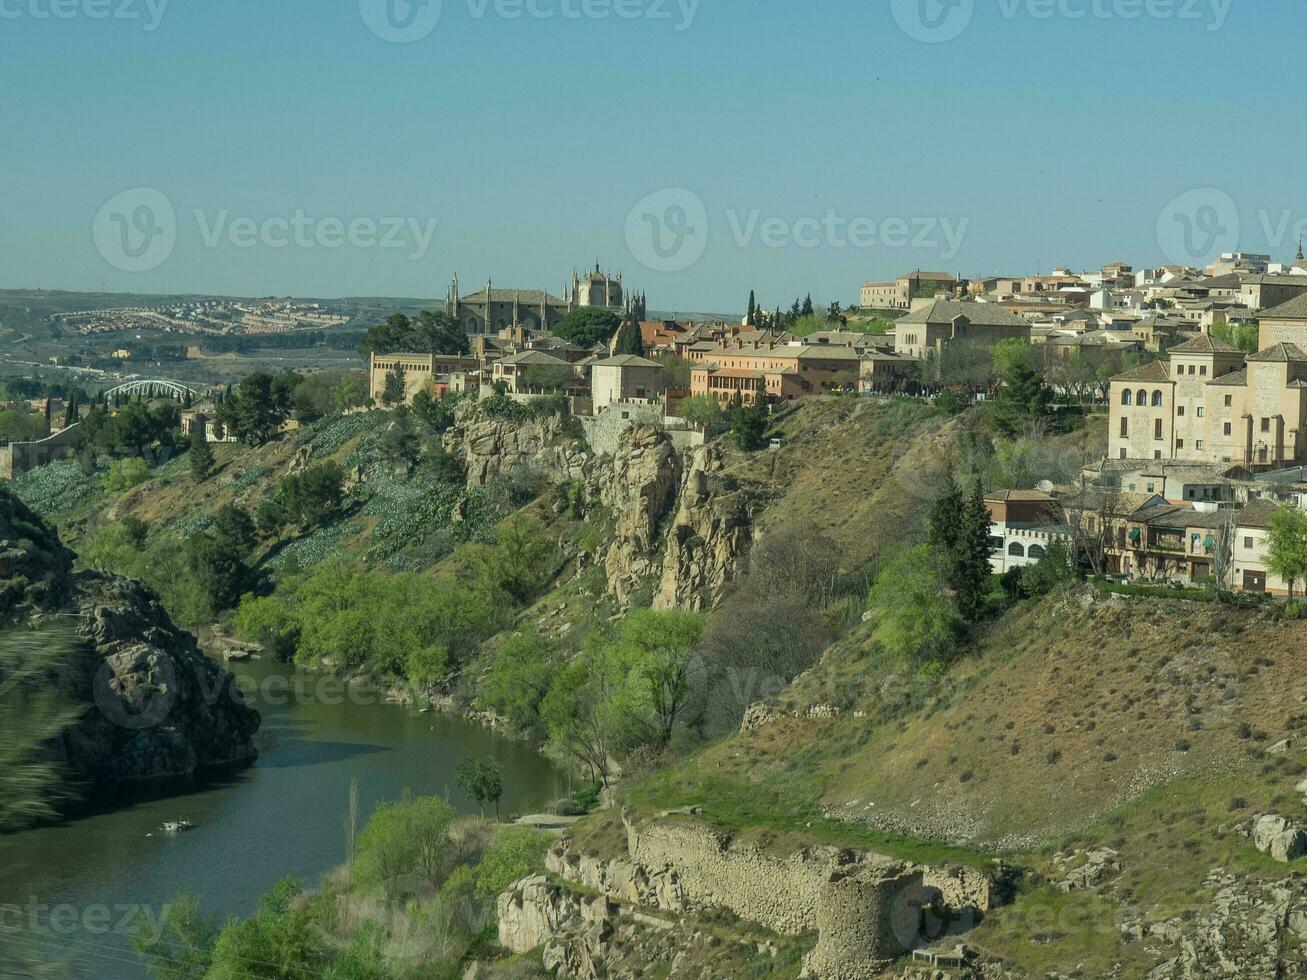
[807,306]
[971,569]
[1023,399]
[49,411]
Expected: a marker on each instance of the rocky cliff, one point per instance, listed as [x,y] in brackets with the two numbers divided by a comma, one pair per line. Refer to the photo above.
[685,531]
[154,705]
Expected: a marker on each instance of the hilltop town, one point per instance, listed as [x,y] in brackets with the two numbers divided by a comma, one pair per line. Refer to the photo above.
[894,640]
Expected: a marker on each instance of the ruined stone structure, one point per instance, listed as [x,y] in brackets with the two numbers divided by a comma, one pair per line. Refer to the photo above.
[866,909]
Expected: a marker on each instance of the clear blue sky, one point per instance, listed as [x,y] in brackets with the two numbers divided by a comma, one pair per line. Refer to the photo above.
[529,140]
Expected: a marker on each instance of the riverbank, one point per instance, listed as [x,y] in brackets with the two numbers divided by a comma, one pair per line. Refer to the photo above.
[89,878]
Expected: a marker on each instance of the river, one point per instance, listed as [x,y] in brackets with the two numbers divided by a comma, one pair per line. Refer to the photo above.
[67,892]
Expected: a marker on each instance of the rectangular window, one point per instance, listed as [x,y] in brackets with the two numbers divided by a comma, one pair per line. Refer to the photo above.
[1157,428]
[1202,412]
[1179,410]
[1198,445]
[1266,425]
[1179,444]
[1229,400]
[1229,429]
[1125,427]
[1203,370]
[1247,542]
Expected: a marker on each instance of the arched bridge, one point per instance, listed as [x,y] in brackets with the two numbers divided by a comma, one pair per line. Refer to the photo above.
[152,387]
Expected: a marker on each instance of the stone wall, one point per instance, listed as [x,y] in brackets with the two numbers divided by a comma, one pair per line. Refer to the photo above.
[866,909]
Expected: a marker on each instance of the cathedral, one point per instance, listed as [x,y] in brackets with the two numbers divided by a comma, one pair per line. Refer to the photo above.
[490,310]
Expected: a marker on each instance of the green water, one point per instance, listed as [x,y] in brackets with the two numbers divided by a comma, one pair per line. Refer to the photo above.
[67,892]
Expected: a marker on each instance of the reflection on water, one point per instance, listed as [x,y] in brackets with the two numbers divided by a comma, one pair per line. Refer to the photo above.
[71,890]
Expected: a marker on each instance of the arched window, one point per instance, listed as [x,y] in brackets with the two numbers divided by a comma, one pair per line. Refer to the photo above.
[1157,399]
[1036,551]
[1016,550]
[1127,397]
[1142,397]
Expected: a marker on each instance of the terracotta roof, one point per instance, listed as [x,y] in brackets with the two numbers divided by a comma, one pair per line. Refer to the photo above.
[1021,496]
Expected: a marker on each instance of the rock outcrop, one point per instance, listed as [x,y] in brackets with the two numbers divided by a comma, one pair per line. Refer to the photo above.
[710,537]
[154,705]
[1282,839]
[488,447]
[638,485]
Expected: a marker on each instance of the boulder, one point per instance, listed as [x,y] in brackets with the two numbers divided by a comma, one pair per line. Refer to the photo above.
[1279,837]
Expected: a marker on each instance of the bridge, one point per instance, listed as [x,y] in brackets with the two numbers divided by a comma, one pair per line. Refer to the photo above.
[153,387]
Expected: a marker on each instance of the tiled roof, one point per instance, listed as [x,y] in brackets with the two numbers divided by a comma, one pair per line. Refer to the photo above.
[533,357]
[1295,309]
[1205,344]
[1152,371]
[626,360]
[1258,513]
[1235,379]
[981,314]
[1279,353]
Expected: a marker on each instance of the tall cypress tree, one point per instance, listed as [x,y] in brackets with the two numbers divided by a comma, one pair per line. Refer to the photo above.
[752,318]
[971,557]
[944,522]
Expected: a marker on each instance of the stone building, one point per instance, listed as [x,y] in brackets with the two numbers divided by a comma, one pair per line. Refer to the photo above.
[1284,324]
[1210,403]
[491,310]
[930,329]
[624,378]
[418,370]
[899,294]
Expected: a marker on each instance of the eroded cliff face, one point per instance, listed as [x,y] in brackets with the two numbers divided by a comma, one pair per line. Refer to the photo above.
[684,530]
[710,537]
[490,447]
[154,706]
